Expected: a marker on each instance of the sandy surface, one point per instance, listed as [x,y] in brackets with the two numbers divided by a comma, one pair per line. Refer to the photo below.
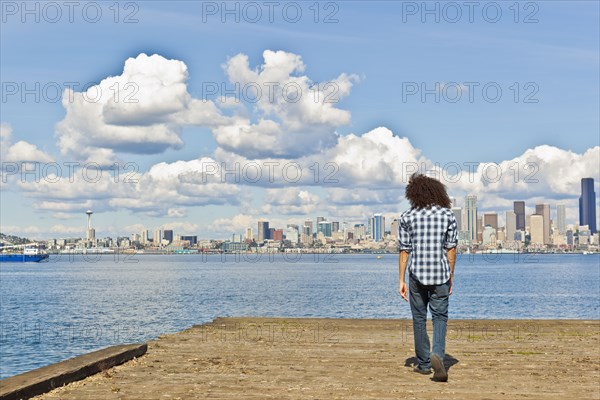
[289,358]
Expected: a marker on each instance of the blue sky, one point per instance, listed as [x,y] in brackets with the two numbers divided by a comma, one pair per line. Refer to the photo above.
[383,46]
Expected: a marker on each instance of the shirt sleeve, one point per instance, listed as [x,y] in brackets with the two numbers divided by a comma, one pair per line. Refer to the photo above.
[404,242]
[452,233]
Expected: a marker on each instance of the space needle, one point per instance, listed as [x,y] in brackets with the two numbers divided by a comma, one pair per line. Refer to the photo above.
[90,233]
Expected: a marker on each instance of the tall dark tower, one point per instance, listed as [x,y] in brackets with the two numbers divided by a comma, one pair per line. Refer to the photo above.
[587,204]
[263,231]
[519,209]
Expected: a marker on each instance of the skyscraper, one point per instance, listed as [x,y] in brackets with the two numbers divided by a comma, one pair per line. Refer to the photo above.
[511,226]
[587,204]
[395,227]
[561,225]
[377,225]
[471,217]
[144,237]
[168,235]
[277,235]
[263,231]
[291,234]
[306,230]
[490,219]
[308,225]
[544,211]
[335,226]
[458,216]
[360,231]
[519,209]
[325,228]
[536,229]
[157,237]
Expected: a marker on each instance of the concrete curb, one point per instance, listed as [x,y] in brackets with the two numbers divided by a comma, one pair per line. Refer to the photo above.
[42,380]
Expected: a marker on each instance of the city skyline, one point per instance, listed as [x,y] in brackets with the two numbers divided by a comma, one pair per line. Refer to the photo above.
[375,226]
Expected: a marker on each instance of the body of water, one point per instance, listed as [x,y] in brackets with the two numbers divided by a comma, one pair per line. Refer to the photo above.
[75,304]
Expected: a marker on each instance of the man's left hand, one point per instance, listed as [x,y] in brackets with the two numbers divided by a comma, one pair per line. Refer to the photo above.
[403,290]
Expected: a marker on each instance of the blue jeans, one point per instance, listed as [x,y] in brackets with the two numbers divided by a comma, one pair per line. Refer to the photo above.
[436,296]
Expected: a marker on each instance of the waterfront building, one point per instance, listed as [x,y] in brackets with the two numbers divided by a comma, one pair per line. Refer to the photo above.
[544,211]
[263,231]
[558,239]
[277,235]
[458,216]
[335,226]
[536,229]
[489,236]
[377,227]
[471,217]
[561,225]
[479,228]
[587,204]
[490,219]
[157,237]
[292,234]
[145,237]
[360,231]
[193,240]
[232,247]
[570,237]
[394,229]
[308,227]
[324,227]
[510,226]
[519,210]
[519,236]
[168,235]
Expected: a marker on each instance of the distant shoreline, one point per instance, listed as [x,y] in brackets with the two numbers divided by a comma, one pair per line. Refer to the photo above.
[291,254]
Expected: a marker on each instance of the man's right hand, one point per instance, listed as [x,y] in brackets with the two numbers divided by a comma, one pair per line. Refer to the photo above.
[451,279]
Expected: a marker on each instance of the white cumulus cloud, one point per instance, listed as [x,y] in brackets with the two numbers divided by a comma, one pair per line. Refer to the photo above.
[21,151]
[296,115]
[141,111]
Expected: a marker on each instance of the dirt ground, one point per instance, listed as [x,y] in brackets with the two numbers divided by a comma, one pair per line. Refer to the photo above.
[306,358]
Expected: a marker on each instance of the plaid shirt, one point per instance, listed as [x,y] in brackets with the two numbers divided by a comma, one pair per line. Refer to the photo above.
[427,234]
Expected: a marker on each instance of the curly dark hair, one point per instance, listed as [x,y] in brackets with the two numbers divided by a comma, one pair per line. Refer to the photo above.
[423,191]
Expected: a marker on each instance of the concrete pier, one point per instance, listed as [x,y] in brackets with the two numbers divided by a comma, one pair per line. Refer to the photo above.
[42,380]
[315,358]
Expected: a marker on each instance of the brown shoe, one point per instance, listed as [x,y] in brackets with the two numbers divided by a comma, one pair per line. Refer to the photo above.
[440,374]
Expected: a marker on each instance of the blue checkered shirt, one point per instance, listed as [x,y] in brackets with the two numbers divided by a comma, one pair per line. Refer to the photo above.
[427,234]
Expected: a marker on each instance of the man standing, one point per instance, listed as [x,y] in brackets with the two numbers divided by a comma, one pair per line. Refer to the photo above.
[427,232]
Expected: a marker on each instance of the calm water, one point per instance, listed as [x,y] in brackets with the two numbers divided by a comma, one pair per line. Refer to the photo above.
[56,310]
